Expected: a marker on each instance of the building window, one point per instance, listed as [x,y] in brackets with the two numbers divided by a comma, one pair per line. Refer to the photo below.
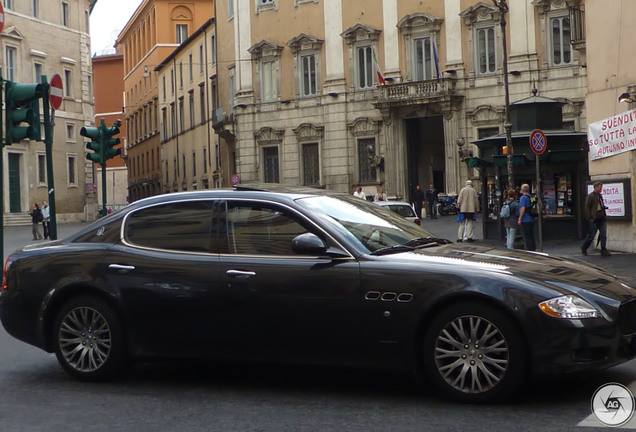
[37,72]
[200,59]
[205,160]
[70,132]
[68,82]
[311,171]
[181,115]
[180,74]
[561,51]
[35,7]
[230,9]
[364,67]
[183,158]
[11,56]
[232,88]
[41,168]
[202,103]
[163,87]
[308,75]
[191,104]
[194,164]
[191,65]
[213,48]
[270,165]
[182,33]
[167,173]
[72,180]
[268,81]
[262,5]
[423,59]
[65,14]
[171,81]
[486,58]
[173,119]
[8,4]
[366,160]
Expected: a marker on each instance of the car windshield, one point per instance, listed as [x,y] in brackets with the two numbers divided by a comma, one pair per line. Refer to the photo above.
[373,227]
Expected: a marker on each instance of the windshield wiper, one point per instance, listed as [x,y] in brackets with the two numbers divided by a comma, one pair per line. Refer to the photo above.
[392,249]
[424,241]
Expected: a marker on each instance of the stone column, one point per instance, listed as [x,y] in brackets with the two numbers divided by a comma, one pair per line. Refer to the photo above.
[453,174]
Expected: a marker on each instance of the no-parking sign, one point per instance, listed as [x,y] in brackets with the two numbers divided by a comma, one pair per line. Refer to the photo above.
[538,141]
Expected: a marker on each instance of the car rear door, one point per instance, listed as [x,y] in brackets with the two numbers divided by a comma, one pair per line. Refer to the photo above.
[303,308]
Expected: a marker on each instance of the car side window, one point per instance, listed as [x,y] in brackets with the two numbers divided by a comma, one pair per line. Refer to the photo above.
[181,226]
[256,229]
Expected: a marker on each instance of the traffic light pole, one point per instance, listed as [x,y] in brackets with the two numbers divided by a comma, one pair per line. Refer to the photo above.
[49,124]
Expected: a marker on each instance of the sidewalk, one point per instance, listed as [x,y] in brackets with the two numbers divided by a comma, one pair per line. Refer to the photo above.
[620,263]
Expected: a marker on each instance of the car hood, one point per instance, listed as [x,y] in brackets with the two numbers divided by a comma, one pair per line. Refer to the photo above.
[561,274]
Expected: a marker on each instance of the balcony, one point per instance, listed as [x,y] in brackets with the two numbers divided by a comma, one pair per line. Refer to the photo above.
[417,93]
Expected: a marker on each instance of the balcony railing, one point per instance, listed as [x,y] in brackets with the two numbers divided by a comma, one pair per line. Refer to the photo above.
[416,92]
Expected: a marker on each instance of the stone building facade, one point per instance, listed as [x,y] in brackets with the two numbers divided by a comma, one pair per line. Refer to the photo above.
[49,37]
[307,108]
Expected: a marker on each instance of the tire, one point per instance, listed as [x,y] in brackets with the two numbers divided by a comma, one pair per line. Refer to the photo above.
[474,353]
[89,339]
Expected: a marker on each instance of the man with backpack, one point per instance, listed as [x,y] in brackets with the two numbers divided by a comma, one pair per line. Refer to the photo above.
[509,213]
[525,220]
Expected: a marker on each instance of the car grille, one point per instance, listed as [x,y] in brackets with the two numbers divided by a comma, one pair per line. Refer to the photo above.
[627,317]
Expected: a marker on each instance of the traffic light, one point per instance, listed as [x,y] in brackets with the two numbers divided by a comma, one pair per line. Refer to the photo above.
[22,104]
[110,142]
[95,135]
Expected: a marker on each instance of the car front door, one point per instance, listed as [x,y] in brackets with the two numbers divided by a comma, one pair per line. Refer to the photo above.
[304,308]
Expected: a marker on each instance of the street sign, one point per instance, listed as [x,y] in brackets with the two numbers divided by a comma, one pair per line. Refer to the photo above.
[56,90]
[1,17]
[236,179]
[538,141]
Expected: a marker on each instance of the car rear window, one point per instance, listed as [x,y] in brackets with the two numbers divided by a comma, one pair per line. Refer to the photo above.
[181,226]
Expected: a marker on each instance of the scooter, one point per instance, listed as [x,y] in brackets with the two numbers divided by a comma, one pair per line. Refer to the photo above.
[447,206]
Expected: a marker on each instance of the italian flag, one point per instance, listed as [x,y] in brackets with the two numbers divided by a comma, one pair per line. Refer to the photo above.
[377,69]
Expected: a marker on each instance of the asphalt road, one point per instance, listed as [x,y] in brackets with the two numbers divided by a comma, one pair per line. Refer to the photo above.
[36,395]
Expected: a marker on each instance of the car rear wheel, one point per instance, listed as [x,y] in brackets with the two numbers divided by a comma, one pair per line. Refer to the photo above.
[474,353]
[89,341]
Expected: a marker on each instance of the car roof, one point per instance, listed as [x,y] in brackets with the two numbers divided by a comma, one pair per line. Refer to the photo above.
[386,203]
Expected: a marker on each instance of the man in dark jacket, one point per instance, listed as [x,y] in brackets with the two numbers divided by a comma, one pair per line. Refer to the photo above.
[595,214]
[418,201]
[431,200]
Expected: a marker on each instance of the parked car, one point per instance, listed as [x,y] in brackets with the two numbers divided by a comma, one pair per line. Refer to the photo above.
[404,209]
[310,276]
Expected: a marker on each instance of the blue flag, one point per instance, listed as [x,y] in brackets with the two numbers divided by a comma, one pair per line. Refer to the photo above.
[436,61]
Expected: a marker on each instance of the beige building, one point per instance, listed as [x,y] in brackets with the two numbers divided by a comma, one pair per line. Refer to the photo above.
[299,80]
[611,94]
[189,147]
[48,37]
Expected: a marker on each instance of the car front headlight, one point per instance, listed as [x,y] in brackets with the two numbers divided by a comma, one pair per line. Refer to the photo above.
[568,307]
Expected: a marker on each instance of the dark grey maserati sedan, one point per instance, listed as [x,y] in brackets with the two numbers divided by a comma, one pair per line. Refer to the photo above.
[315,277]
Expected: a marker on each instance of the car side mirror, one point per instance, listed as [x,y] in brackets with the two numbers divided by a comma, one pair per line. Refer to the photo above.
[308,244]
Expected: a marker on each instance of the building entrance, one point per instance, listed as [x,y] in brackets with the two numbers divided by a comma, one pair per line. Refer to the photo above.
[425,153]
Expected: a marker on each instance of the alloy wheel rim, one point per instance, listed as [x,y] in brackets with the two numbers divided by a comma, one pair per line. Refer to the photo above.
[471,354]
[85,339]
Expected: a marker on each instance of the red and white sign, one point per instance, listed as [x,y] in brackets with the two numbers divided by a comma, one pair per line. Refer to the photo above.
[614,135]
[56,91]
[1,17]
[538,141]
[236,179]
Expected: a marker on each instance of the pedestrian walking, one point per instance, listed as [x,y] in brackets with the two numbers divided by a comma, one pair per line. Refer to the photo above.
[359,193]
[526,220]
[380,195]
[36,220]
[467,203]
[418,201]
[596,215]
[431,200]
[46,216]
[511,221]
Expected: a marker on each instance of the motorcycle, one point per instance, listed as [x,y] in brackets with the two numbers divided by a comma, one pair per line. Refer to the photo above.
[447,205]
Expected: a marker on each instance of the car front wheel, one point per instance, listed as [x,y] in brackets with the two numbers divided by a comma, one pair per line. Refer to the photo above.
[474,353]
[89,341]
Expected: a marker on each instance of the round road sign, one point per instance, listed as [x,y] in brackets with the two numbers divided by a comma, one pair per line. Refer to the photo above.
[56,92]
[1,17]
[538,141]
[236,179]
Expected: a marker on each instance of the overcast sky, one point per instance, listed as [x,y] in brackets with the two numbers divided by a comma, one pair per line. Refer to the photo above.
[108,19]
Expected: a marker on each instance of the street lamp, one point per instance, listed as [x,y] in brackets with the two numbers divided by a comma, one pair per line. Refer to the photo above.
[503,9]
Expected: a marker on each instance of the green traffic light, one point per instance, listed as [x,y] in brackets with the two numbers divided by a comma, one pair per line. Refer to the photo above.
[22,104]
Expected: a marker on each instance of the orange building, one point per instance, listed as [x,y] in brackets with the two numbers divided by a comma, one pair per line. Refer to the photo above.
[108,79]
[155,30]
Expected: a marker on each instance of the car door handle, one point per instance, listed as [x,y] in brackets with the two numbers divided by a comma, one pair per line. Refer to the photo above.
[119,268]
[240,274]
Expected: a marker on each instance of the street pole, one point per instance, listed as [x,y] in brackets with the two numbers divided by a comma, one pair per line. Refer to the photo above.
[503,8]
[49,124]
[1,176]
